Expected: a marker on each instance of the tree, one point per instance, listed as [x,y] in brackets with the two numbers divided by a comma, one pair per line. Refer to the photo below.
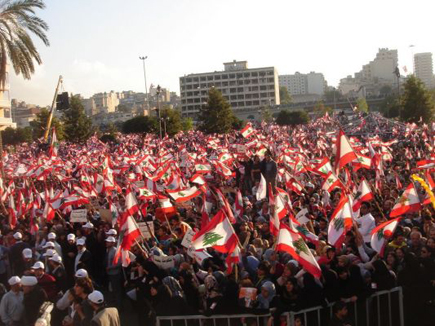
[141,124]
[171,119]
[216,116]
[237,123]
[321,109]
[416,102]
[77,126]
[16,136]
[266,116]
[40,123]
[187,124]
[390,107]
[286,118]
[362,105]
[284,96]
[332,95]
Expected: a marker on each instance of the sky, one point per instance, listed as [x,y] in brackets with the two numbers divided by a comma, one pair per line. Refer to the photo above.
[96,44]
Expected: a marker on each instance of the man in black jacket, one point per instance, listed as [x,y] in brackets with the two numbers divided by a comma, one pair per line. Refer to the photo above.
[34,297]
[15,254]
[58,272]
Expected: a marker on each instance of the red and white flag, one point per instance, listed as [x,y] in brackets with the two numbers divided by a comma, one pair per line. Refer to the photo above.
[331,182]
[293,243]
[381,234]
[340,223]
[128,233]
[344,152]
[262,189]
[184,195]
[238,204]
[408,203]
[363,194]
[247,131]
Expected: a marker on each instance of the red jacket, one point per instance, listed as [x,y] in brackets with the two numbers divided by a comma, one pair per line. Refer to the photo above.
[48,284]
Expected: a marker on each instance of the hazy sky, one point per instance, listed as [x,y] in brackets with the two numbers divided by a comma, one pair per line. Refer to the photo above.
[95,44]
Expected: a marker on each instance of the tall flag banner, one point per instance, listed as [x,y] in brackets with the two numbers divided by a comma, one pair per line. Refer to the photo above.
[344,152]
[129,232]
[363,194]
[293,243]
[184,195]
[238,204]
[408,202]
[262,189]
[340,223]
[381,234]
[54,144]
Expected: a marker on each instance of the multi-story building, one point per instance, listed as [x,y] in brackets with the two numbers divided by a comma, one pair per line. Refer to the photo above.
[302,84]
[245,89]
[23,114]
[5,105]
[423,68]
[102,103]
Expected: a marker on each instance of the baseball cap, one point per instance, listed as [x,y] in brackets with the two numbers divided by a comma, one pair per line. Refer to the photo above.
[27,253]
[88,225]
[49,244]
[14,280]
[111,232]
[38,265]
[110,239]
[81,242]
[29,281]
[81,273]
[71,236]
[51,236]
[56,258]
[96,297]
[49,253]
[18,236]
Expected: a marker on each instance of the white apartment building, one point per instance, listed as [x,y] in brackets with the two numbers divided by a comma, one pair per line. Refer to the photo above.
[423,68]
[5,105]
[245,89]
[303,84]
[102,103]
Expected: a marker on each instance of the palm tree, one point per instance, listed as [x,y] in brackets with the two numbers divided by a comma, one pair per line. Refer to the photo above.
[17,22]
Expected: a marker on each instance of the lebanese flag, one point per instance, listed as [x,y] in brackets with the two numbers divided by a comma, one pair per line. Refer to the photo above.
[382,233]
[226,206]
[344,152]
[293,185]
[184,195]
[293,243]
[12,212]
[363,194]
[426,164]
[285,198]
[323,168]
[408,203]
[131,205]
[362,161]
[247,131]
[218,234]
[279,212]
[70,201]
[340,223]
[198,179]
[238,204]
[233,258]
[144,193]
[54,145]
[262,189]
[331,182]
[128,233]
[166,208]
[204,214]
[203,168]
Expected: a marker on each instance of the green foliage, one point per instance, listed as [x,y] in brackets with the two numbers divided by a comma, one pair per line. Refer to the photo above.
[266,116]
[172,119]
[18,21]
[362,105]
[216,116]
[77,126]
[108,138]
[321,109]
[332,95]
[13,136]
[237,123]
[284,96]
[40,123]
[141,124]
[390,107]
[286,118]
[416,102]
[187,124]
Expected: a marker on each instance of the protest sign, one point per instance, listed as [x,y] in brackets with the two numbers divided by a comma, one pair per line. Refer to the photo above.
[249,295]
[145,230]
[187,240]
[164,262]
[79,216]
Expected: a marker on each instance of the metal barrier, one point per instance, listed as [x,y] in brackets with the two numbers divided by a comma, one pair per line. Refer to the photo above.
[384,308]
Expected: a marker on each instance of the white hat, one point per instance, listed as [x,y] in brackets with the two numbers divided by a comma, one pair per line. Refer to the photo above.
[27,253]
[49,253]
[14,280]
[111,232]
[18,236]
[88,225]
[96,297]
[111,239]
[49,244]
[51,236]
[71,236]
[81,273]
[38,265]
[29,281]
[81,242]
[56,258]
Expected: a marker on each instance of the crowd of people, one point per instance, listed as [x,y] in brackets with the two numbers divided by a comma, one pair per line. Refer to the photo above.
[91,232]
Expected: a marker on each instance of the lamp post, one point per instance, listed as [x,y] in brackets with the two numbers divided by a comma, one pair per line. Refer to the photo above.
[158,110]
[145,78]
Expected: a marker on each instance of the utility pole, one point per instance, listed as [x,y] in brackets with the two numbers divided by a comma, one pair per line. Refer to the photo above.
[158,110]
[147,101]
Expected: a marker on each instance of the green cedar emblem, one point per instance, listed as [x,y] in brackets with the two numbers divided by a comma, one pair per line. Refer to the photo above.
[338,223]
[358,194]
[380,234]
[210,238]
[330,180]
[300,246]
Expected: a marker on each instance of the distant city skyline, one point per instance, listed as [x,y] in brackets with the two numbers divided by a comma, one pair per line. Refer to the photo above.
[96,45]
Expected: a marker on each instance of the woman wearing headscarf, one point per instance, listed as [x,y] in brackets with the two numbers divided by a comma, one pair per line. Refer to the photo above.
[276,268]
[382,277]
[267,298]
[190,290]
[311,293]
[174,286]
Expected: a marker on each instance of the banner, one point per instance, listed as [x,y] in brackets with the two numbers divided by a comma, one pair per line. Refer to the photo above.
[164,262]
[79,216]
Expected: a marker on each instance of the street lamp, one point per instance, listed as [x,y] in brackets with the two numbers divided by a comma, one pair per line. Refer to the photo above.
[145,77]
[158,109]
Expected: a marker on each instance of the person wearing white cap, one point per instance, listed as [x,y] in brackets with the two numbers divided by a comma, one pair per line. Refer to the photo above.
[34,297]
[103,316]
[65,301]
[52,237]
[83,258]
[58,272]
[112,232]
[114,271]
[15,254]
[11,306]
[45,281]
[69,250]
